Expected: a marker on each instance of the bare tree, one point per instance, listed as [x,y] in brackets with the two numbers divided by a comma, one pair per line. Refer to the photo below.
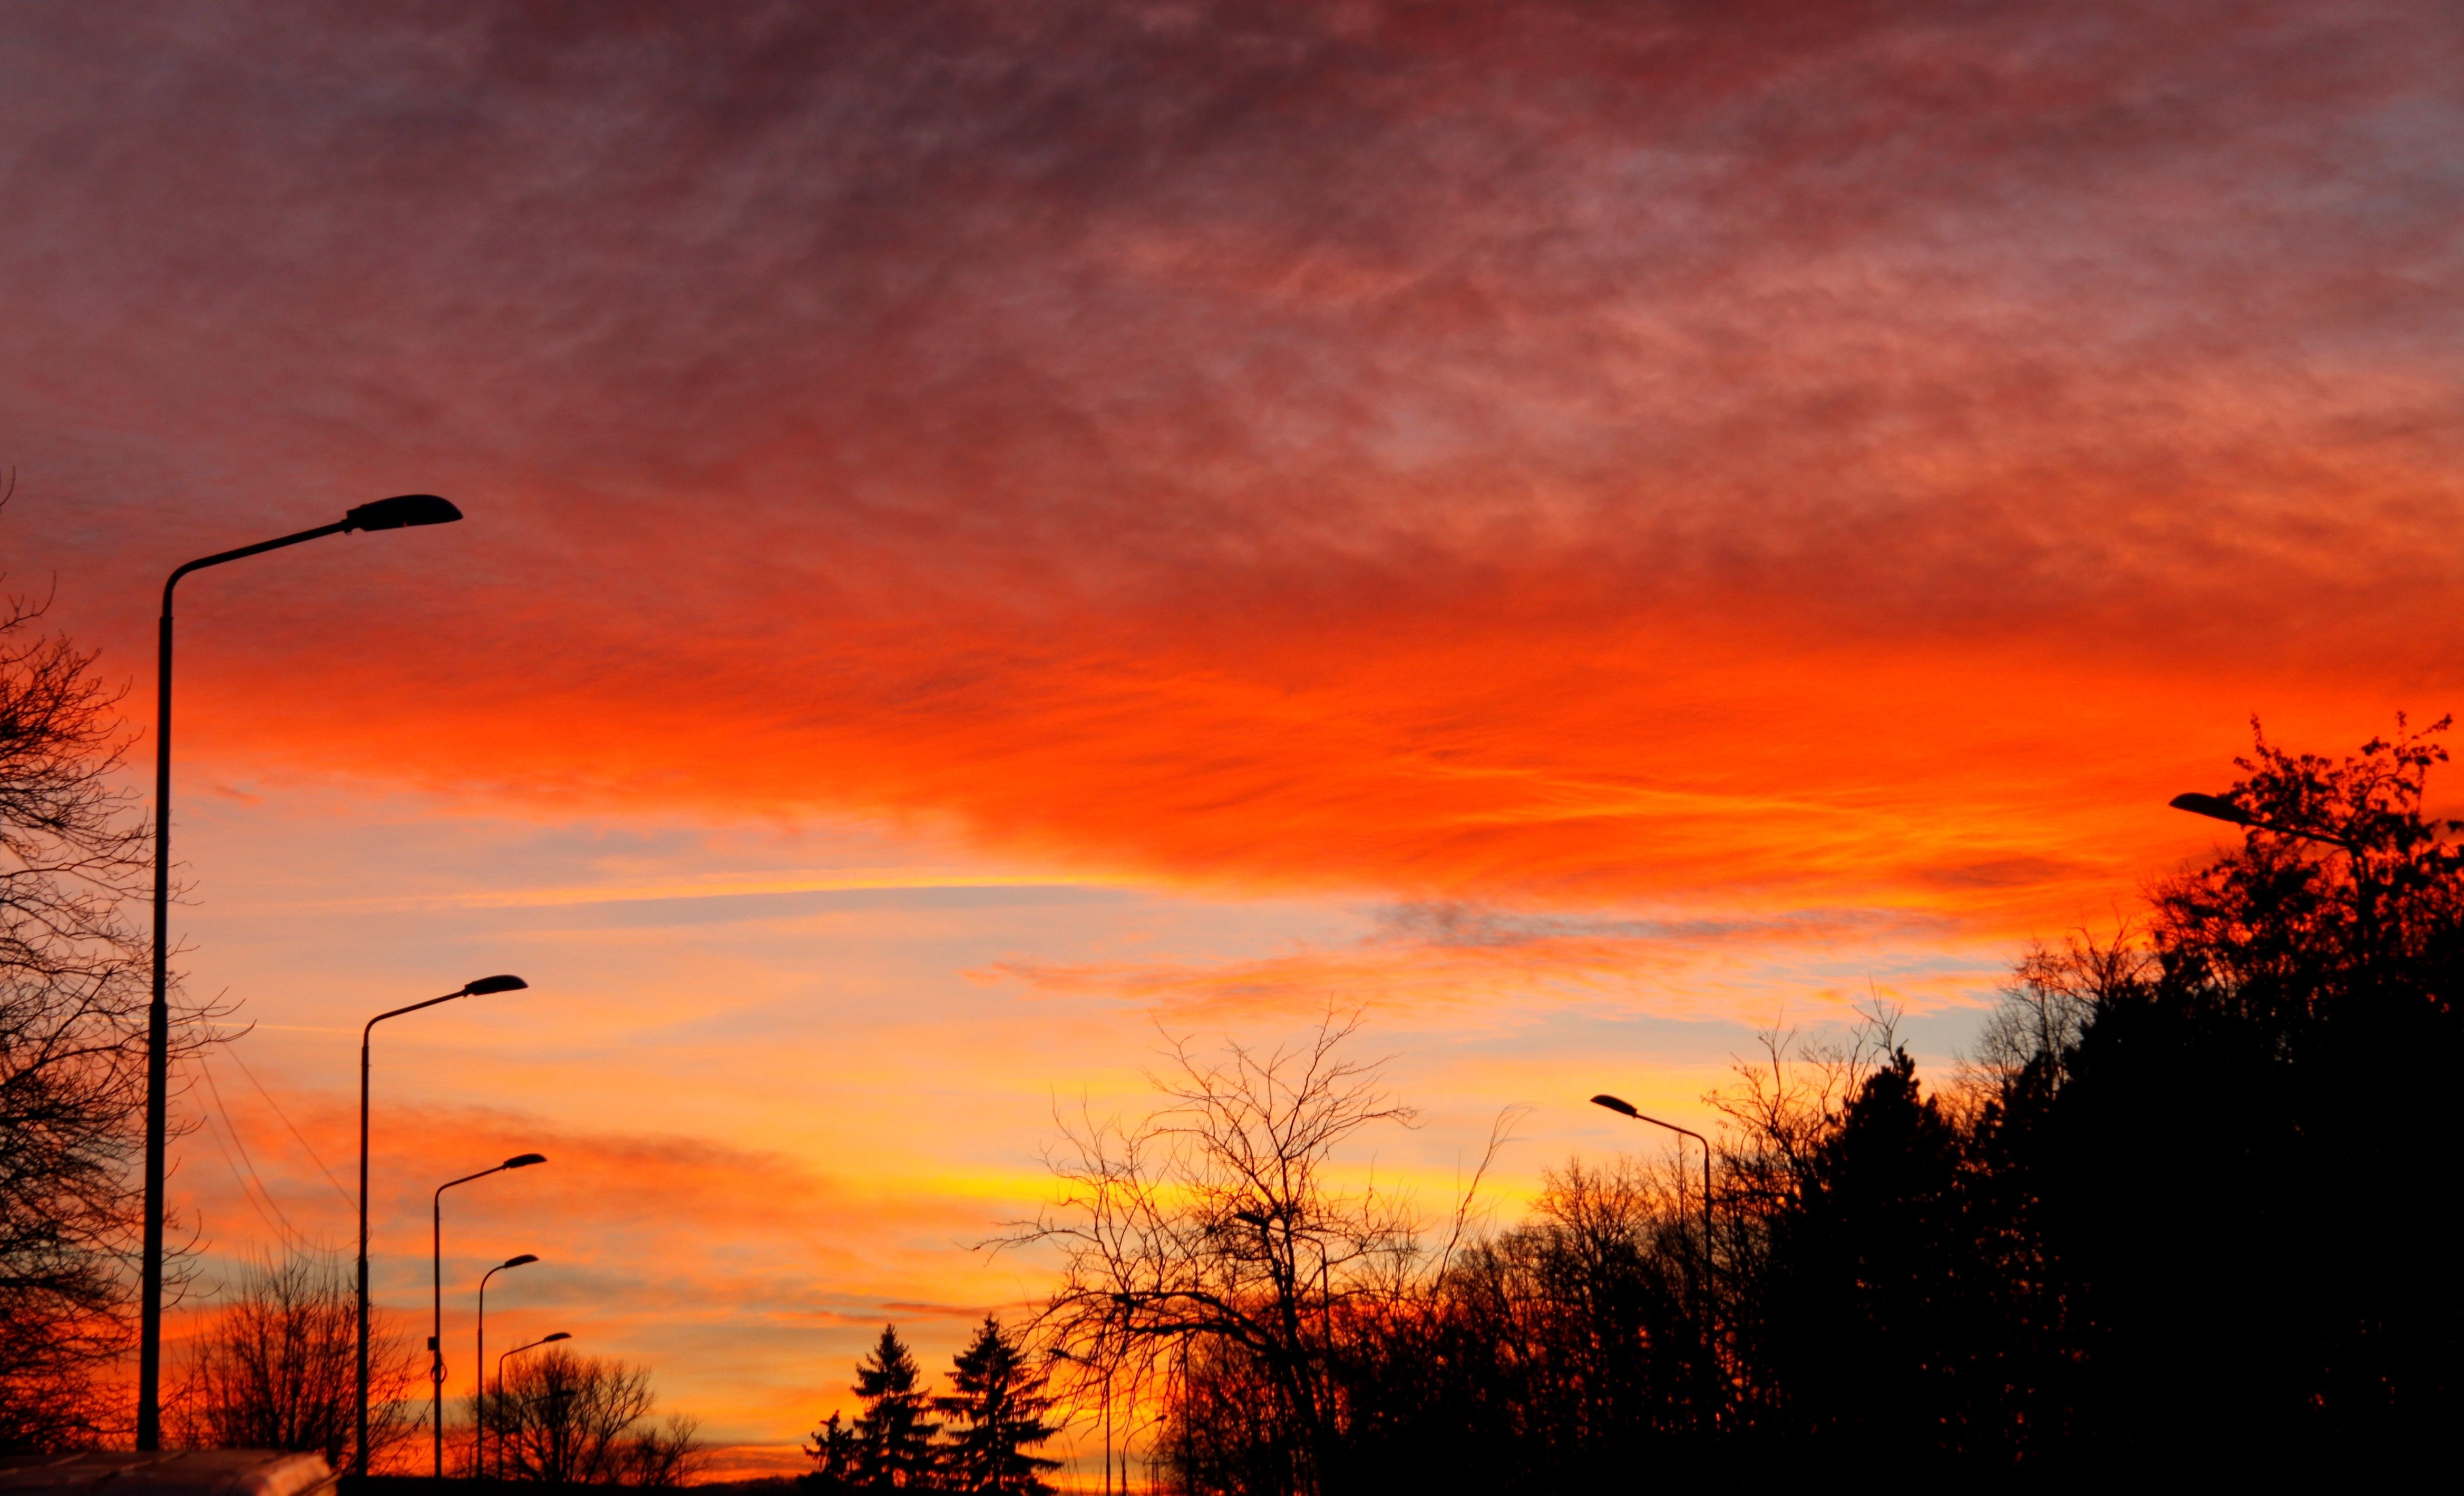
[1216,1227]
[666,1456]
[274,1369]
[563,1419]
[2053,996]
[1549,1353]
[73,1000]
[1785,1103]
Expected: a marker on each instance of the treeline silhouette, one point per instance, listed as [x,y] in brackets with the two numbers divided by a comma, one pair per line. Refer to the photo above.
[2185,1204]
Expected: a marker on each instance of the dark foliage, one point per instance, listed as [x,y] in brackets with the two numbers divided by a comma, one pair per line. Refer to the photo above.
[1876,1310]
[996,1411]
[996,1407]
[1556,1354]
[889,1446]
[2185,1207]
[2239,1166]
[832,1451]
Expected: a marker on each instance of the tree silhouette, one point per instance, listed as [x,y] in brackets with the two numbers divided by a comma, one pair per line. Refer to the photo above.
[72,1021]
[893,1439]
[996,1409]
[274,1369]
[833,1453]
[2235,1169]
[1871,1315]
[560,1419]
[1216,1233]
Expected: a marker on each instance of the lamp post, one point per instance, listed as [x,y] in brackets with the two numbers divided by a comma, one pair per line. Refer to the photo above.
[1625,1109]
[480,988]
[500,1384]
[480,1363]
[2215,807]
[386,514]
[437,1269]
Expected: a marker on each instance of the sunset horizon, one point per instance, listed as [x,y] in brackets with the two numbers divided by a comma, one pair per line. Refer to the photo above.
[996,543]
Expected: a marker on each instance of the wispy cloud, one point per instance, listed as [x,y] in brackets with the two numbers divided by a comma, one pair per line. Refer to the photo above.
[1420,960]
[1546,453]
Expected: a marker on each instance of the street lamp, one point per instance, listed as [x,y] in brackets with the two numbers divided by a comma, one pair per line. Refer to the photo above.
[479,1362]
[2365,887]
[386,514]
[1625,1109]
[2215,807]
[543,1340]
[480,988]
[436,1269]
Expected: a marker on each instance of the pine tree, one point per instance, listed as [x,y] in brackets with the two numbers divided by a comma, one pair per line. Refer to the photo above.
[894,1440]
[998,1411]
[833,1449]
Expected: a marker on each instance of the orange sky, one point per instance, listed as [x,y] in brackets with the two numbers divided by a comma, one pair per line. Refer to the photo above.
[1584,528]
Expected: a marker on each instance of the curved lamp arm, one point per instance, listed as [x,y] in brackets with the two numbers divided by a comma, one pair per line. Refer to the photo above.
[401,512]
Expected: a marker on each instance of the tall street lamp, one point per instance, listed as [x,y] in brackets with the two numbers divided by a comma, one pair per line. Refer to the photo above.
[480,988]
[436,1267]
[480,1363]
[543,1340]
[2215,807]
[1625,1109]
[386,514]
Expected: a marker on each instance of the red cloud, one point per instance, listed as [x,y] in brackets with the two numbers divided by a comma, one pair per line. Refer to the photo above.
[1821,453]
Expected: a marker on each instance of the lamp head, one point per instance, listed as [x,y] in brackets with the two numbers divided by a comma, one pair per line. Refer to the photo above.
[554,1338]
[523,1161]
[1624,1109]
[517,1262]
[2215,807]
[402,512]
[484,985]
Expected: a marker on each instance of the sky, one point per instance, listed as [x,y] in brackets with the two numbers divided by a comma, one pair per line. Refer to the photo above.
[999,536]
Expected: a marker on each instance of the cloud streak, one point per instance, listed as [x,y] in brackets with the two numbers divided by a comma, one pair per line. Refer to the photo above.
[1363,447]
[1422,963]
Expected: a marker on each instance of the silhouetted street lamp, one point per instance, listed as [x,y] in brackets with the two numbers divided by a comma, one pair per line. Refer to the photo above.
[2365,887]
[2215,807]
[1625,1109]
[543,1340]
[479,1362]
[436,1267]
[480,988]
[386,514]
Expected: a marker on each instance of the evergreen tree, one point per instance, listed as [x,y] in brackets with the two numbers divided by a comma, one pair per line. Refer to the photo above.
[1876,1282]
[893,1440]
[833,1449]
[998,1409]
